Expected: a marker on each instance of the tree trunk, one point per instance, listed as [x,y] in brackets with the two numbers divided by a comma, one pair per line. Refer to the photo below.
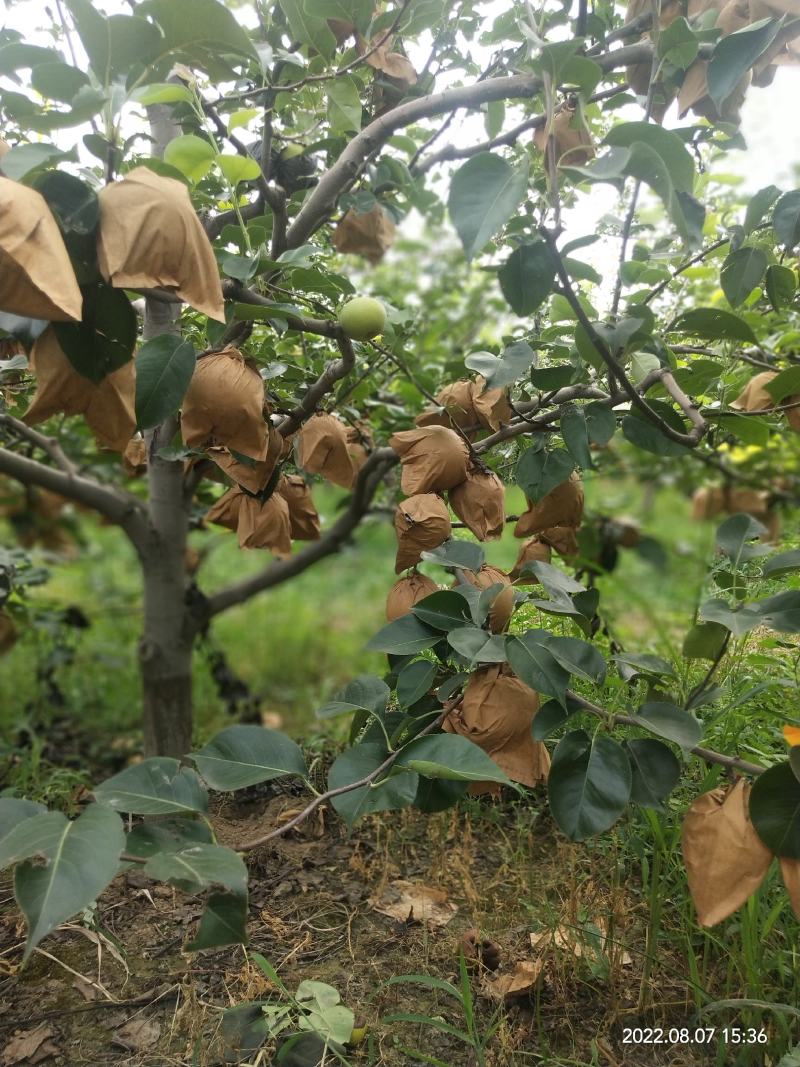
[165,651]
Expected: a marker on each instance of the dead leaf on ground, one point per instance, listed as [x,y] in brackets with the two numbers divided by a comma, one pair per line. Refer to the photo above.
[86,989]
[566,939]
[31,1046]
[521,983]
[138,1034]
[410,903]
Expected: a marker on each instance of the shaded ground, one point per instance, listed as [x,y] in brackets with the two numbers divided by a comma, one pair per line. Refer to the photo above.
[310,915]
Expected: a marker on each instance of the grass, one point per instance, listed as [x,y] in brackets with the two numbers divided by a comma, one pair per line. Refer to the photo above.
[643,959]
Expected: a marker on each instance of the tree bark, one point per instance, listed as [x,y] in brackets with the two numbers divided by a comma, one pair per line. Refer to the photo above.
[165,650]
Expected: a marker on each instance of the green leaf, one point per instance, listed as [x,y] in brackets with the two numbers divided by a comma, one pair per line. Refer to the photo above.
[655,771]
[444,610]
[578,657]
[438,794]
[739,621]
[344,105]
[19,161]
[783,563]
[671,722]
[164,368]
[199,867]
[359,12]
[704,640]
[308,29]
[246,755]
[193,156]
[238,168]
[15,810]
[484,193]
[390,794]
[781,285]
[58,81]
[531,659]
[785,383]
[104,340]
[601,423]
[741,272]
[758,206]
[714,323]
[157,786]
[589,784]
[733,537]
[169,835]
[414,681]
[81,857]
[576,434]
[644,434]
[206,25]
[506,369]
[678,43]
[647,165]
[666,144]
[477,645]
[223,922]
[73,202]
[526,278]
[162,93]
[775,810]
[17,55]
[452,757]
[403,636]
[539,471]
[367,693]
[551,378]
[551,716]
[785,220]
[463,555]
[735,54]
[781,612]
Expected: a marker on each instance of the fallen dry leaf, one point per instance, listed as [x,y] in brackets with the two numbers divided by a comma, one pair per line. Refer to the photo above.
[513,986]
[568,940]
[409,903]
[31,1046]
[138,1034]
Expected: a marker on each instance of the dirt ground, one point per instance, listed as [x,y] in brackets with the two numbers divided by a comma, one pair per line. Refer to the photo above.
[119,990]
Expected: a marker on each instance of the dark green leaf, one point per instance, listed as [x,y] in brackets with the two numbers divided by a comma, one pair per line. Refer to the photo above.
[758,206]
[207,25]
[389,794]
[672,722]
[735,54]
[404,636]
[600,423]
[223,922]
[589,784]
[576,434]
[704,640]
[199,867]
[484,193]
[22,159]
[552,715]
[643,663]
[246,755]
[646,435]
[445,610]
[477,645]
[741,272]
[169,835]
[104,340]
[15,810]
[157,786]
[308,29]
[786,220]
[781,285]
[367,692]
[783,563]
[58,81]
[538,471]
[463,555]
[164,368]
[532,660]
[775,810]
[414,681]
[655,772]
[452,757]
[668,145]
[714,324]
[438,794]
[526,278]
[785,383]
[578,657]
[733,537]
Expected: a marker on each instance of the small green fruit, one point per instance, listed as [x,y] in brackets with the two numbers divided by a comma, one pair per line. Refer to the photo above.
[292,150]
[363,318]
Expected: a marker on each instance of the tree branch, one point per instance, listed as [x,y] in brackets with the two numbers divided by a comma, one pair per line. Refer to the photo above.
[341,176]
[333,373]
[369,477]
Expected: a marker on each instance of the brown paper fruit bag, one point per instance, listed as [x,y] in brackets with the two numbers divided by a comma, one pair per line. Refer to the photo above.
[496,714]
[754,397]
[562,506]
[150,237]
[36,276]
[252,475]
[224,405]
[370,234]
[265,525]
[457,400]
[303,516]
[491,405]
[225,512]
[421,523]
[573,143]
[479,502]
[358,438]
[134,458]
[502,606]
[562,539]
[108,408]
[433,458]
[322,449]
[406,592]
[726,860]
[533,551]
